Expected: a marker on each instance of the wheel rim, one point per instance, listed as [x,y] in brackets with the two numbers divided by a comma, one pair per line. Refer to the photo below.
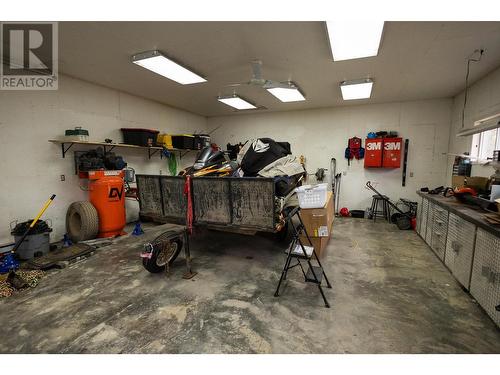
[165,254]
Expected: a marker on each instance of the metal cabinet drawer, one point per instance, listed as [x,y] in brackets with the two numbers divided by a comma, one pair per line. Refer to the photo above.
[419,215]
[439,230]
[460,248]
[423,219]
[439,242]
[485,279]
[430,217]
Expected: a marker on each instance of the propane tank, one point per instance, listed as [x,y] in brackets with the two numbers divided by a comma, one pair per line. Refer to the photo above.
[107,195]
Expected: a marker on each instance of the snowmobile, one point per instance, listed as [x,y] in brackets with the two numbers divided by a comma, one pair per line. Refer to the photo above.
[210,162]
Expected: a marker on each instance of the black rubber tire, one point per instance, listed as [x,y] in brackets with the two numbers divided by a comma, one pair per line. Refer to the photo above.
[151,265]
[403,222]
[82,221]
[395,216]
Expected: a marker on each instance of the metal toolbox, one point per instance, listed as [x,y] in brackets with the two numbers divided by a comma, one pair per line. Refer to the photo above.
[428,231]
[423,220]
[419,215]
[460,248]
[485,279]
[439,230]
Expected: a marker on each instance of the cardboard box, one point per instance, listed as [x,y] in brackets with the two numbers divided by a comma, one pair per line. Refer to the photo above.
[318,221]
[477,183]
[319,225]
[319,244]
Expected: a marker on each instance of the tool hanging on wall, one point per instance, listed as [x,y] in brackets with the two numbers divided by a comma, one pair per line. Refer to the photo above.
[336,179]
[333,172]
[405,161]
[320,174]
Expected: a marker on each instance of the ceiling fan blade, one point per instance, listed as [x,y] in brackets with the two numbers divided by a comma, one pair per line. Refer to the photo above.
[238,84]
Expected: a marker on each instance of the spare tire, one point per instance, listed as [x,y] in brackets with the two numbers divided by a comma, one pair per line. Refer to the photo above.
[82,221]
[165,251]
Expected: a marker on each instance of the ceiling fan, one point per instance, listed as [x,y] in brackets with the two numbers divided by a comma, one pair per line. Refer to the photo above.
[258,80]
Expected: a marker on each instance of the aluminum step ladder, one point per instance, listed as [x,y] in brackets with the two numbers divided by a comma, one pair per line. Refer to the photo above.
[315,274]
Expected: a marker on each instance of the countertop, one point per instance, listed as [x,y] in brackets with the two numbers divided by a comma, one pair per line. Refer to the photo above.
[467,212]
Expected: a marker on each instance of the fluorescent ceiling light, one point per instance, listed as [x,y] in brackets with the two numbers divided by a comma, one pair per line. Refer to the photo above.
[236,102]
[358,89]
[354,39]
[489,123]
[156,62]
[291,94]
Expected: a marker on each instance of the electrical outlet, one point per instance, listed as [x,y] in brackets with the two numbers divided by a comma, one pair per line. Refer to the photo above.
[411,174]
[63,177]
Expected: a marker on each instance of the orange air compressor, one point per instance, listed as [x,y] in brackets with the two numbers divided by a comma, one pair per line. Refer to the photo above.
[107,195]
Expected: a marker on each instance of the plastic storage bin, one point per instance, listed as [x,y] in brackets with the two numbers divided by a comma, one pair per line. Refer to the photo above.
[183,142]
[140,137]
[201,141]
[164,140]
[312,196]
[77,134]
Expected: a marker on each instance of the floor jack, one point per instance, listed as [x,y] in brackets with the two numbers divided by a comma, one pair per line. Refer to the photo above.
[314,274]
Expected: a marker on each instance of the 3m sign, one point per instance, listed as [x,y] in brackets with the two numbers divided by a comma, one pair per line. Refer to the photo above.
[392,146]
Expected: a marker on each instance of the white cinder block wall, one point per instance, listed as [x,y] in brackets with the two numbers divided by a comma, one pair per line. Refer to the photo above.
[31,166]
[321,134]
[483,100]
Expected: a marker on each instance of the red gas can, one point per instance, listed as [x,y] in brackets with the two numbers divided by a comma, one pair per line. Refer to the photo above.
[108,197]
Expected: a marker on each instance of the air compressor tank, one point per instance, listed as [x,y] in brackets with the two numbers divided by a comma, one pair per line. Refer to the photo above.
[107,195]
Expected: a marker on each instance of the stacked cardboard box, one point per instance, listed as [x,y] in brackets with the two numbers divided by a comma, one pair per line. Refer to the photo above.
[319,224]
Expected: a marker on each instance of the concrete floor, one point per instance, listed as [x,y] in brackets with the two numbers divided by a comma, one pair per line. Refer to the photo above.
[390,295]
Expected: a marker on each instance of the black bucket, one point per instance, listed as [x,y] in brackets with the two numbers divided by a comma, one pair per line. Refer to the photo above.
[360,214]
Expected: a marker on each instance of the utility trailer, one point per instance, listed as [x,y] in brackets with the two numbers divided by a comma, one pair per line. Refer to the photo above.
[230,203]
[242,205]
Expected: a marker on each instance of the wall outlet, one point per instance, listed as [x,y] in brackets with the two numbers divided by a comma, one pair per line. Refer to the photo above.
[63,177]
[411,174]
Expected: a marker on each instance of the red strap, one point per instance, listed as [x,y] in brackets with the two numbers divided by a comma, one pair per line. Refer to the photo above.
[189,212]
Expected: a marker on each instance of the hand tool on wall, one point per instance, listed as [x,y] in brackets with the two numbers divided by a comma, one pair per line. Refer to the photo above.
[405,161]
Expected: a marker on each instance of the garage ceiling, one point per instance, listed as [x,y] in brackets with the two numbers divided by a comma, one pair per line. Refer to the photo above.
[417,60]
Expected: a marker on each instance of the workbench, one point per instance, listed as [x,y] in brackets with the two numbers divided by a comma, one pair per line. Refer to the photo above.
[467,245]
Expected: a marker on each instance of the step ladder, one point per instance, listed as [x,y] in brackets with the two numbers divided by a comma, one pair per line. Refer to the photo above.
[315,274]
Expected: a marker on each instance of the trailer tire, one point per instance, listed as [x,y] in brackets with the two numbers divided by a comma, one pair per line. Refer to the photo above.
[159,259]
[82,221]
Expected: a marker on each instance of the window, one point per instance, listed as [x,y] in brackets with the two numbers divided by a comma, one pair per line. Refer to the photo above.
[484,143]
